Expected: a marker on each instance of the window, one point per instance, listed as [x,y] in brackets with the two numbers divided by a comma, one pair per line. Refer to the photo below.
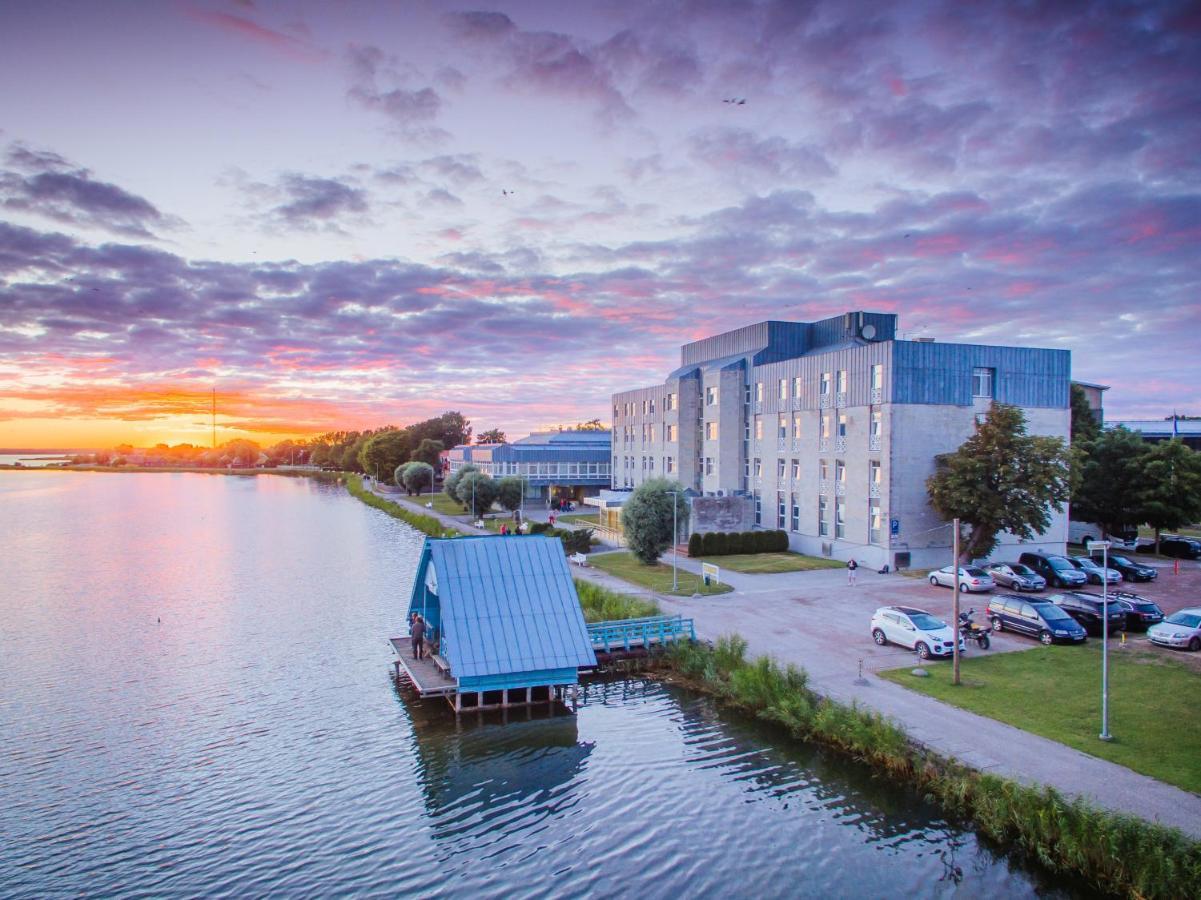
[842,426]
[669,464]
[710,396]
[875,522]
[650,463]
[644,407]
[796,428]
[673,433]
[708,465]
[796,513]
[826,427]
[746,394]
[710,431]
[650,433]
[669,402]
[840,473]
[780,466]
[781,510]
[982,381]
[652,406]
[758,467]
[823,512]
[783,388]
[758,428]
[825,384]
[758,391]
[615,411]
[823,468]
[796,388]
[758,509]
[644,463]
[796,469]
[877,377]
[840,511]
[782,428]
[874,473]
[842,381]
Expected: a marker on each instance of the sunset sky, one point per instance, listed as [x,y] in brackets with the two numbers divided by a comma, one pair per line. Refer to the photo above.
[343,215]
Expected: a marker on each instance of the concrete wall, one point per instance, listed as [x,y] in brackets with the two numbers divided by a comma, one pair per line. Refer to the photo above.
[721,514]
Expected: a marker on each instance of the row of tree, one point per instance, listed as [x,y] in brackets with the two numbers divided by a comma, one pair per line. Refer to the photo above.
[476,490]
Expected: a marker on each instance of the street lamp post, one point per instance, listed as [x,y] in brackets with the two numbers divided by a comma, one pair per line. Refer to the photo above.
[1104,545]
[675,541]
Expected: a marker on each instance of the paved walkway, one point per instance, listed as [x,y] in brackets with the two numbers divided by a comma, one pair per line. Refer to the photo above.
[816,621]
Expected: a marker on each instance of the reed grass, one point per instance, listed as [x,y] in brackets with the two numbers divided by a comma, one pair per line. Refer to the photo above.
[1116,853]
[425,524]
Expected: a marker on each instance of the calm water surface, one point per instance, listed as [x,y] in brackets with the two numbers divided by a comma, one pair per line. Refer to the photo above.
[195,701]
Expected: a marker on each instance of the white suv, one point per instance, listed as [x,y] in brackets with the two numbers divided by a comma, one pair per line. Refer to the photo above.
[913,628]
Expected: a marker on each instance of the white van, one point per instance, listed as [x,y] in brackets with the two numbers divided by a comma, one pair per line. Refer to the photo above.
[1123,538]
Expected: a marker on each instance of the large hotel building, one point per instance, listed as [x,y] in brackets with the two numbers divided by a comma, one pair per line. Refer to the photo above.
[829,430]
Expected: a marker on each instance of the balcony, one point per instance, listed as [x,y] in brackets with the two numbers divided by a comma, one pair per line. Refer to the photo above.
[823,402]
[840,488]
[840,445]
[877,395]
[796,445]
[823,445]
[823,486]
[873,489]
[874,441]
[782,444]
[840,399]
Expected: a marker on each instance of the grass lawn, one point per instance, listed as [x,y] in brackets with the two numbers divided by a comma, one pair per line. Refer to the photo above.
[1056,692]
[577,519]
[766,563]
[657,578]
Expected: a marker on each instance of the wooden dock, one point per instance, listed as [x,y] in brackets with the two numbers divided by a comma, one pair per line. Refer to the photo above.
[429,680]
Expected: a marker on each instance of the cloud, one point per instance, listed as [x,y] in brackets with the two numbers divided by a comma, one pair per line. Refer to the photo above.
[321,199]
[736,150]
[48,185]
[411,111]
[293,48]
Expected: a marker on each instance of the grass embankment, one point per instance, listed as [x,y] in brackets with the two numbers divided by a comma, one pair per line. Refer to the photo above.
[425,524]
[603,605]
[1120,854]
[627,567]
[1152,703]
[766,563]
[577,519]
[202,470]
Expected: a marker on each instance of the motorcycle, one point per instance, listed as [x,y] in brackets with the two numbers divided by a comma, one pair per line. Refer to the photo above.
[970,631]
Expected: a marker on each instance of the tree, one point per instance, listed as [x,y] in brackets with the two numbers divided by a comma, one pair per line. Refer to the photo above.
[1002,479]
[1111,479]
[508,492]
[1171,487]
[384,451]
[646,518]
[1084,421]
[450,486]
[428,451]
[477,491]
[416,476]
[591,425]
[450,428]
[495,436]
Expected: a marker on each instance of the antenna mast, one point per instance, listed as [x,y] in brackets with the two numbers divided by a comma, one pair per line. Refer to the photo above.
[214,418]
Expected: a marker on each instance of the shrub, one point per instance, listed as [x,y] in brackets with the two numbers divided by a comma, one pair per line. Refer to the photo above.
[781,541]
[575,541]
[478,490]
[539,527]
[710,543]
[508,492]
[696,545]
[734,543]
[648,516]
[601,604]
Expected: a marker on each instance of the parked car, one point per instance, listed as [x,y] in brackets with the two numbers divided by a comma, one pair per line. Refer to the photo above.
[1056,569]
[913,628]
[1172,545]
[1015,576]
[1036,617]
[1087,608]
[1180,629]
[1141,613]
[1130,570]
[971,578]
[1094,571]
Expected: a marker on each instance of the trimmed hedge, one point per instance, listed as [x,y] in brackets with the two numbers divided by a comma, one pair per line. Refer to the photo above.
[719,543]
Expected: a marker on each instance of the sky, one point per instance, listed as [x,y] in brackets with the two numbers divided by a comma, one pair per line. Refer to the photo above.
[344,215]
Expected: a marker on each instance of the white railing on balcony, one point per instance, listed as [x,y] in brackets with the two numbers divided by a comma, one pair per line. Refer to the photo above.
[877,395]
[823,486]
[840,488]
[873,489]
[873,442]
[782,444]
[796,445]
[823,445]
[824,401]
[840,445]
[840,399]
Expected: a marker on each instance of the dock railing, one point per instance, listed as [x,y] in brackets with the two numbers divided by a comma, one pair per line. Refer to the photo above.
[651,631]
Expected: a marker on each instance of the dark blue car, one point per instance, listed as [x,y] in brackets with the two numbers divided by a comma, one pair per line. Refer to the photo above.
[1037,618]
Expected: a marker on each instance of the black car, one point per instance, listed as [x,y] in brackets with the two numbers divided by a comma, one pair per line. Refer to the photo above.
[1086,608]
[1141,613]
[1038,618]
[1130,570]
[1056,569]
[1171,545]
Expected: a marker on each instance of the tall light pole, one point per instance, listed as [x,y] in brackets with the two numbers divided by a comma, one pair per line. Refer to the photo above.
[1104,545]
[675,541]
[955,603]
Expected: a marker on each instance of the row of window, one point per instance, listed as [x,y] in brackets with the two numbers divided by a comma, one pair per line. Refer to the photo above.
[648,463]
[795,387]
[648,406]
[565,469]
[755,469]
[671,433]
[788,516]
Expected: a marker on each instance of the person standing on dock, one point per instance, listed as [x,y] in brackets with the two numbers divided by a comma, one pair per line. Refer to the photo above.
[417,635]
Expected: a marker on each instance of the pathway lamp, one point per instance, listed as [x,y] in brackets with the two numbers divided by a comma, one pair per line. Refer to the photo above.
[675,541]
[1104,545]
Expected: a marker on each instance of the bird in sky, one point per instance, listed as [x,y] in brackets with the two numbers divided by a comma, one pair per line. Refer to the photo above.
[737,101]
[507,193]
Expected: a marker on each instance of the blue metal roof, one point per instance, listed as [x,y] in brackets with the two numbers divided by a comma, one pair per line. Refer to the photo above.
[508,604]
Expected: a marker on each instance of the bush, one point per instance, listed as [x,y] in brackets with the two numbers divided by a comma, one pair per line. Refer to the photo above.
[696,545]
[601,604]
[539,527]
[508,492]
[575,541]
[477,489]
[710,544]
[781,542]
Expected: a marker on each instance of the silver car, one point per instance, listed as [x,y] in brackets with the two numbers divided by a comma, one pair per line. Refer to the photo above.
[1016,576]
[1095,571]
[971,578]
[1181,629]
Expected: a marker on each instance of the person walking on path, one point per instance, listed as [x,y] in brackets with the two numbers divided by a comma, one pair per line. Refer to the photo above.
[852,566]
[417,635]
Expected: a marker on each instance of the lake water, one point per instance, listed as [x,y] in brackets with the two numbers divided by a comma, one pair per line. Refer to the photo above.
[195,700]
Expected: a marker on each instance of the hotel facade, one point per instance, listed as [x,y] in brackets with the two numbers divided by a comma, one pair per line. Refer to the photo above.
[828,430]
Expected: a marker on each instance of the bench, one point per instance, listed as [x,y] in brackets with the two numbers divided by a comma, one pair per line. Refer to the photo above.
[579,559]
[441,663]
